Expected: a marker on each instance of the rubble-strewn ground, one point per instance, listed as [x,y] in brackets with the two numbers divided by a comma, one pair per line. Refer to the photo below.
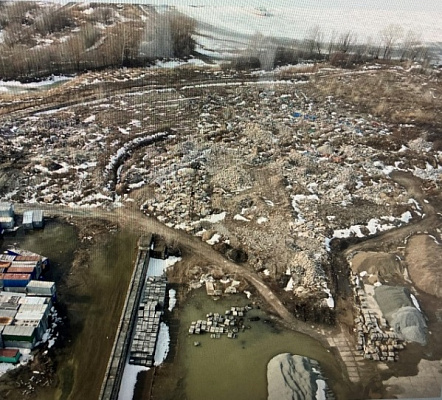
[268,168]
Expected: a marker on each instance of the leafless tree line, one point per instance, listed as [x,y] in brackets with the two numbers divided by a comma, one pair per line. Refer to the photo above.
[340,49]
[28,51]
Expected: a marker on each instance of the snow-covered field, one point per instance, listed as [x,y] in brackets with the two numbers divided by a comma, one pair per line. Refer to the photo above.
[228,25]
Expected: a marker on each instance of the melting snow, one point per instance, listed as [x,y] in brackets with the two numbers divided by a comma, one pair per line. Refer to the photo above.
[129,380]
[290,285]
[215,217]
[157,266]
[415,302]
[162,347]
[172,299]
[238,217]
[89,119]
[214,239]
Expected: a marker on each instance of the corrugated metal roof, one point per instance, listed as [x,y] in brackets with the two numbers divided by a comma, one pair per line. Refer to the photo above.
[31,316]
[40,284]
[8,313]
[8,352]
[33,308]
[33,300]
[27,217]
[7,257]
[27,258]
[18,330]
[37,216]
[17,277]
[11,296]
[16,263]
[20,270]
[32,322]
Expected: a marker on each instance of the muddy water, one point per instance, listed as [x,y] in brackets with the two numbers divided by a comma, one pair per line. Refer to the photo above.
[222,369]
[92,296]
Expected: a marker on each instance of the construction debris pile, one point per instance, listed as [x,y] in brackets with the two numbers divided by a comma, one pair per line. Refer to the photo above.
[263,166]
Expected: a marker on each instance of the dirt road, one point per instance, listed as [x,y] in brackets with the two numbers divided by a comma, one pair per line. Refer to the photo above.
[138,222]
[430,220]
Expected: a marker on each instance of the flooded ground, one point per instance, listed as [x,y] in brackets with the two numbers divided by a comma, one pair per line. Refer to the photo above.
[91,295]
[222,369]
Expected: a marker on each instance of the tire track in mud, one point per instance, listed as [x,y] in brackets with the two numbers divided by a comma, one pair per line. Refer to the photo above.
[431,219]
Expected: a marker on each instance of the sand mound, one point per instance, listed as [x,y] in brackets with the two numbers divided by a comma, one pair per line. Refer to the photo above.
[423,257]
[292,377]
[384,265]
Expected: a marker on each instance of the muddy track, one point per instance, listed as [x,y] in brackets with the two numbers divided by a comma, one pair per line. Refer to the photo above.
[74,96]
[138,222]
[430,218]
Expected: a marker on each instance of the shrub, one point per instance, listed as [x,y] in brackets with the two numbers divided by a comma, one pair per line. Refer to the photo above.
[53,21]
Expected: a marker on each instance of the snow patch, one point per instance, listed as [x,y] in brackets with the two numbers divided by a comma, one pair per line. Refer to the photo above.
[157,267]
[172,299]
[129,380]
[239,217]
[162,347]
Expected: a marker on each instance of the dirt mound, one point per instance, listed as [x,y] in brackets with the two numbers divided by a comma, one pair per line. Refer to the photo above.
[295,377]
[423,257]
[385,265]
[397,308]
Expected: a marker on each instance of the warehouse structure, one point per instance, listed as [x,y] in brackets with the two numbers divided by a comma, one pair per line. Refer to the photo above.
[25,303]
[32,219]
[7,220]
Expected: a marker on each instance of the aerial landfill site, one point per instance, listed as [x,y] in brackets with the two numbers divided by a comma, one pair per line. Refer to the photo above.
[310,189]
[272,171]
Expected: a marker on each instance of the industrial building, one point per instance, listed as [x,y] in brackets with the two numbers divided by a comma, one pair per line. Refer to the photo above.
[33,219]
[23,319]
[25,303]
[17,271]
[7,220]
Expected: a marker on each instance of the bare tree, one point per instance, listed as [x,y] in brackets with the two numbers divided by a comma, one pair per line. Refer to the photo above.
[168,35]
[314,40]
[390,37]
[346,41]
[372,48]
[332,43]
[263,49]
[410,45]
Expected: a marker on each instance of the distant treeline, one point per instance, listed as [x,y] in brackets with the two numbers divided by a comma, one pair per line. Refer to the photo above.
[41,39]
[341,50]
[38,40]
